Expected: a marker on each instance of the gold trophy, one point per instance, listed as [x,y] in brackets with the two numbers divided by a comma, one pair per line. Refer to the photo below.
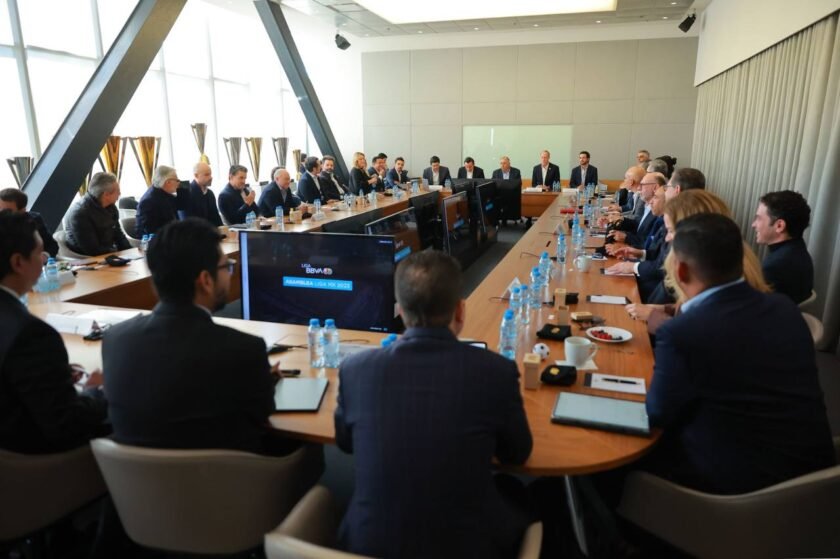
[281,149]
[296,160]
[21,166]
[233,146]
[146,149]
[254,146]
[200,133]
[112,156]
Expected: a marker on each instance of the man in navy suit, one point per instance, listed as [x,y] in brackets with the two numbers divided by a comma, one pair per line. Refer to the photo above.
[505,171]
[236,200]
[436,173]
[585,173]
[331,186]
[202,202]
[508,190]
[545,173]
[396,175]
[278,193]
[469,170]
[309,188]
[424,419]
[735,381]
[157,206]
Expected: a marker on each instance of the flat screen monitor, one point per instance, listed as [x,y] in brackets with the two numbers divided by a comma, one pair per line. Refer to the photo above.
[292,277]
[403,227]
[485,198]
[353,224]
[455,211]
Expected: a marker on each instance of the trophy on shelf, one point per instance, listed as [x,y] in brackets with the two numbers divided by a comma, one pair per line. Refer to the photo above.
[233,146]
[146,149]
[200,133]
[281,149]
[21,166]
[297,161]
[254,145]
[112,155]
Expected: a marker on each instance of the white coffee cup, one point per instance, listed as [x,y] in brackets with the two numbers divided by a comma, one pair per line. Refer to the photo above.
[579,350]
[582,262]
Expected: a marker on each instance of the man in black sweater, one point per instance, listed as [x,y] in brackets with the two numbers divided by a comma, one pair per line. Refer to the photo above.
[93,227]
[779,222]
[202,201]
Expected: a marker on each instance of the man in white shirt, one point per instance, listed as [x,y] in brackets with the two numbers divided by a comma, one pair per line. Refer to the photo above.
[436,173]
[545,173]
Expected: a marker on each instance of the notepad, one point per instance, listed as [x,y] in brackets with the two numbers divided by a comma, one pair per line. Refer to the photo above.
[615,383]
[608,299]
[617,274]
[299,394]
[609,414]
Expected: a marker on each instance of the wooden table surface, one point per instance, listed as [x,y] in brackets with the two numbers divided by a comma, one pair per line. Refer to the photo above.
[558,450]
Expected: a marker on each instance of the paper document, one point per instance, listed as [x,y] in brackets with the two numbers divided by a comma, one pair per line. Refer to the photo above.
[67,324]
[108,316]
[617,274]
[588,366]
[607,299]
[630,385]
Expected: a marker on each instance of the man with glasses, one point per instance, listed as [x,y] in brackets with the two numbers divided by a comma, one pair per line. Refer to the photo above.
[158,205]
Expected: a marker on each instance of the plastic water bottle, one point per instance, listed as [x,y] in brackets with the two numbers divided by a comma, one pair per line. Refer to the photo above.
[144,244]
[524,307]
[556,186]
[536,288]
[507,336]
[447,183]
[315,340]
[516,302]
[545,267]
[332,355]
[250,220]
[51,271]
[561,249]
[388,340]
[317,203]
[415,189]
[278,216]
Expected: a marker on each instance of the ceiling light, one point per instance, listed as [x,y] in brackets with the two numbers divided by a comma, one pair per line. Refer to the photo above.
[411,11]
[664,17]
[421,31]
[475,28]
[341,42]
[687,23]
[673,3]
[597,21]
[536,25]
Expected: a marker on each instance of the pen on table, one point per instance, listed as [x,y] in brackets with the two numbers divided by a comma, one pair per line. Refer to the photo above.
[621,381]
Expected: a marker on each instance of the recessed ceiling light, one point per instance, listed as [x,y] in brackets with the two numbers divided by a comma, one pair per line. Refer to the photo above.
[536,25]
[411,11]
[664,17]
[597,21]
[367,34]
[420,32]
[475,28]
[673,3]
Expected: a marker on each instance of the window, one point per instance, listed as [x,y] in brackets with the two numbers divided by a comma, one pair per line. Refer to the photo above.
[185,49]
[66,25]
[14,140]
[191,101]
[5,26]
[112,17]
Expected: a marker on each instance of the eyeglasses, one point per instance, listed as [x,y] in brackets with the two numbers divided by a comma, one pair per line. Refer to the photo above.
[230,264]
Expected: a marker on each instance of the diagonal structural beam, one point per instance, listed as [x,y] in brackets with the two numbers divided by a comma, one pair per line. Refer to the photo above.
[284,44]
[69,157]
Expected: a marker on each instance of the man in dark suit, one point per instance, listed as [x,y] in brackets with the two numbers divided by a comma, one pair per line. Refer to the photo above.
[40,411]
[14,199]
[201,200]
[309,188]
[505,171]
[779,222]
[583,174]
[379,169]
[93,225]
[436,173]
[508,190]
[278,193]
[236,200]
[545,173]
[682,179]
[424,419]
[157,206]
[469,170]
[735,382]
[396,175]
[214,388]
[331,187]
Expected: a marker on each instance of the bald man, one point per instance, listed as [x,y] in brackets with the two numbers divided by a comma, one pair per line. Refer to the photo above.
[277,193]
[628,195]
[202,201]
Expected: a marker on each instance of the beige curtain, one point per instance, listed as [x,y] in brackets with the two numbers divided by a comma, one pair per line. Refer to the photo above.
[773,123]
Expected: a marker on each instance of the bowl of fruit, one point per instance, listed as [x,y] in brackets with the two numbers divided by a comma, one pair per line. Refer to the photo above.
[609,334]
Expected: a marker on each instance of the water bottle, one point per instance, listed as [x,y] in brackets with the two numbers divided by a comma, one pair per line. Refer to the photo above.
[545,267]
[51,271]
[388,340]
[278,216]
[315,340]
[144,244]
[556,186]
[332,355]
[516,301]
[447,183]
[250,220]
[507,336]
[415,189]
[43,284]
[524,307]
[561,249]
[317,203]
[536,288]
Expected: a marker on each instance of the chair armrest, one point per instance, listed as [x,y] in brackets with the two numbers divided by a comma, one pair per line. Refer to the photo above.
[531,542]
[313,519]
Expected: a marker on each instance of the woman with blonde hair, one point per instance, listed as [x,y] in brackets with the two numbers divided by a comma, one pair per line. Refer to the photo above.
[360,181]
[692,202]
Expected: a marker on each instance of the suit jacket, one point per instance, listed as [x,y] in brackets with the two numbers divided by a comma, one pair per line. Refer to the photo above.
[40,411]
[639,230]
[233,208]
[478,173]
[637,208]
[273,196]
[630,200]
[621,197]
[650,273]
[735,387]
[50,245]
[424,418]
[210,389]
[789,270]
[358,182]
[498,174]
[202,204]
[329,188]
[93,230]
[308,190]
[551,176]
[155,209]
[443,174]
[591,176]
[393,178]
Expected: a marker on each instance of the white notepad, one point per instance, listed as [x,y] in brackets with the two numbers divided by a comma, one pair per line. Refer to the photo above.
[615,383]
[607,299]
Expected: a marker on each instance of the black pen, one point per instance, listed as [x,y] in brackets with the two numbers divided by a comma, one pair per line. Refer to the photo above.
[621,381]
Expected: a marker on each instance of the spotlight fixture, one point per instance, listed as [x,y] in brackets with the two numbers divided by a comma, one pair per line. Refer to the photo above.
[687,23]
[341,42]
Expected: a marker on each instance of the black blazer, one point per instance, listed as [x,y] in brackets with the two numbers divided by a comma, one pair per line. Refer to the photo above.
[308,190]
[735,387]
[478,173]
[424,419]
[233,208]
[591,176]
[640,229]
[392,177]
[514,174]
[552,176]
[50,245]
[329,188]
[789,270]
[358,182]
[40,411]
[443,174]
[273,196]
[175,379]
[155,209]
[93,230]
[202,204]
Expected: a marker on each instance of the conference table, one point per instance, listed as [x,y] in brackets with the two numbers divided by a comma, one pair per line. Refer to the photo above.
[558,450]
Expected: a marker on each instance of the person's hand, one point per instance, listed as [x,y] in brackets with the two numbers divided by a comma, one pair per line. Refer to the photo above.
[77,372]
[621,268]
[95,379]
[637,311]
[275,370]
[619,236]
[628,252]
[249,198]
[613,247]
[614,208]
[373,180]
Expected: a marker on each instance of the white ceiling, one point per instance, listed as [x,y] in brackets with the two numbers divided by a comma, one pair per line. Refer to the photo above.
[349,17]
